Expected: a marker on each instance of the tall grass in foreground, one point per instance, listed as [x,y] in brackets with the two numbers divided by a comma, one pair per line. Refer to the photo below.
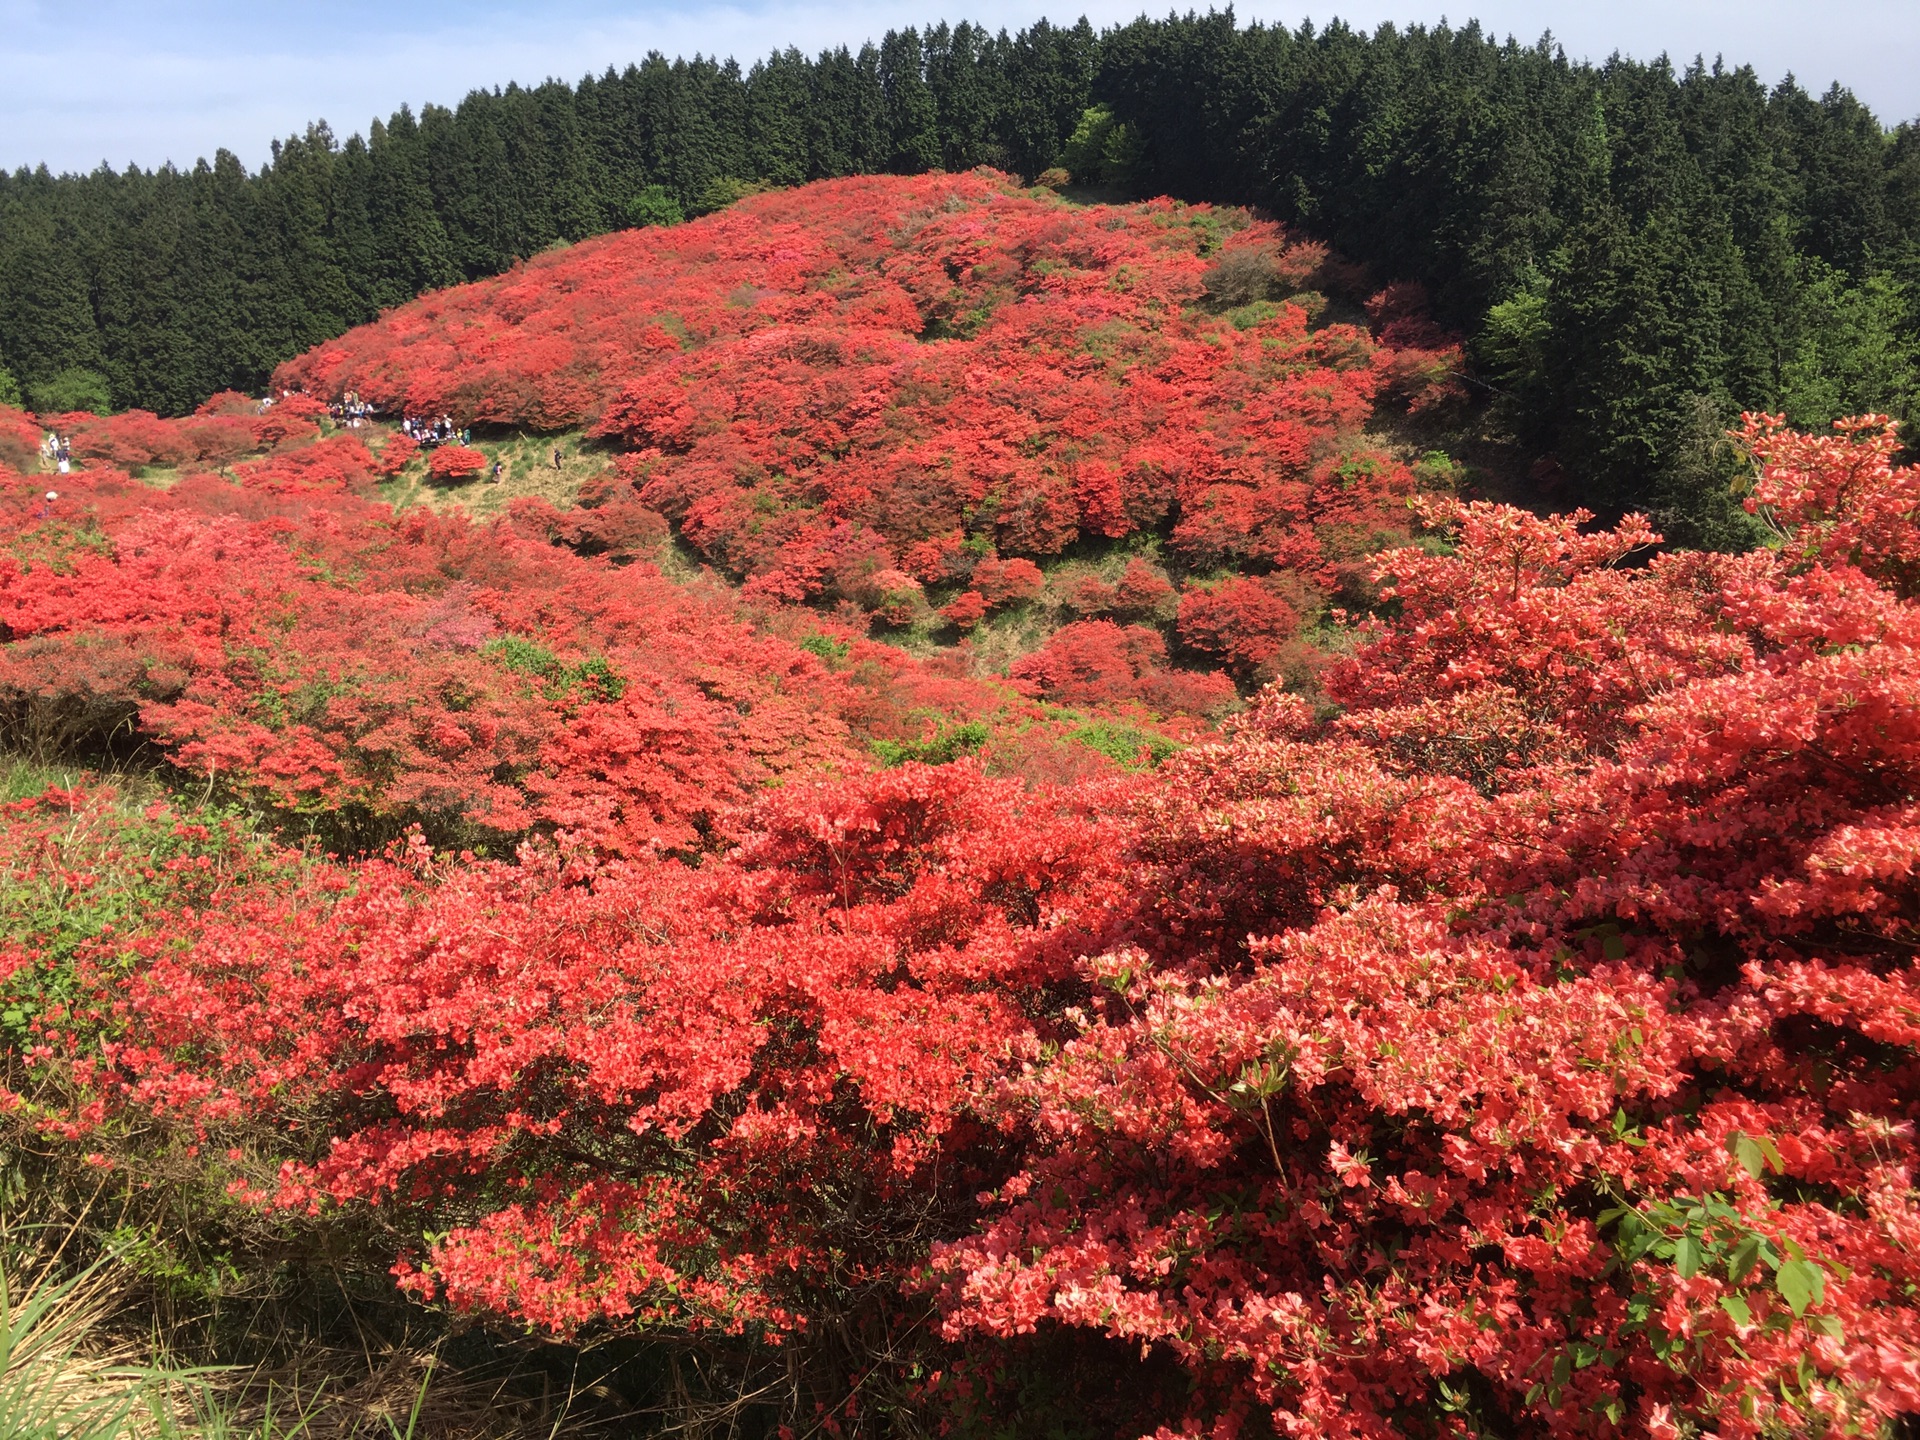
[65,1376]
[68,1373]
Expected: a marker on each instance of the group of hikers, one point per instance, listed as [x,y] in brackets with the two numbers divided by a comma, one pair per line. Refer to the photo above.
[435,432]
[351,410]
[57,451]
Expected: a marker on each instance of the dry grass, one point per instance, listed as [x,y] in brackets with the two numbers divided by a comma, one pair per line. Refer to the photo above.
[87,1354]
[326,1393]
[78,1368]
[68,1375]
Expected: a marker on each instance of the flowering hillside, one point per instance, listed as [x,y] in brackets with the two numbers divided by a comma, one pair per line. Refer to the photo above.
[872,390]
[1523,1040]
[286,641]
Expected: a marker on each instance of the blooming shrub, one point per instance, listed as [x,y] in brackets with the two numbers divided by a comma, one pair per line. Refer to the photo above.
[1007,582]
[1098,663]
[338,463]
[19,438]
[396,452]
[132,439]
[966,610]
[456,463]
[1245,622]
[1524,1045]
[218,440]
[699,1041]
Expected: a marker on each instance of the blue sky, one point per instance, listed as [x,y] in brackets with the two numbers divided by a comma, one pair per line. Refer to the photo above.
[124,81]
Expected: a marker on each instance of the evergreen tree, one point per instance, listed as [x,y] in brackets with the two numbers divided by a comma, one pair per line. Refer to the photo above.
[411,252]
[779,90]
[46,310]
[846,119]
[145,338]
[912,118]
[216,293]
[965,71]
[1049,77]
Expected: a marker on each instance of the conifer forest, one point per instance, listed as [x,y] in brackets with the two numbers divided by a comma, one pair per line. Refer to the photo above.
[1187,731]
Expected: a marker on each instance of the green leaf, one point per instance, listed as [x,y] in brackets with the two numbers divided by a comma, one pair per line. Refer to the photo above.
[1800,1284]
[1826,1325]
[1737,1307]
[1745,1256]
[1686,1256]
[1747,1151]
[1614,948]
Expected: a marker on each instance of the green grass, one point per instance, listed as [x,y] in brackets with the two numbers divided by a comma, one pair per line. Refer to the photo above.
[944,746]
[527,472]
[1128,746]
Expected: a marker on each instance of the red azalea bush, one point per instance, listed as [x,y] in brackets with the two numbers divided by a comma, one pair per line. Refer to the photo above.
[338,463]
[227,428]
[132,439]
[455,463]
[966,610]
[218,440]
[942,375]
[1007,582]
[280,426]
[1244,622]
[396,452]
[1101,664]
[701,1042]
[1419,364]
[1525,1044]
[1530,1044]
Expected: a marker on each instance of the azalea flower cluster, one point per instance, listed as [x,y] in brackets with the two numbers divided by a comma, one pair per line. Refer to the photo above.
[1526,1041]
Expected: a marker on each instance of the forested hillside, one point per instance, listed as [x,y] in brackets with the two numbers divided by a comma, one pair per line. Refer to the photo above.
[1633,254]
